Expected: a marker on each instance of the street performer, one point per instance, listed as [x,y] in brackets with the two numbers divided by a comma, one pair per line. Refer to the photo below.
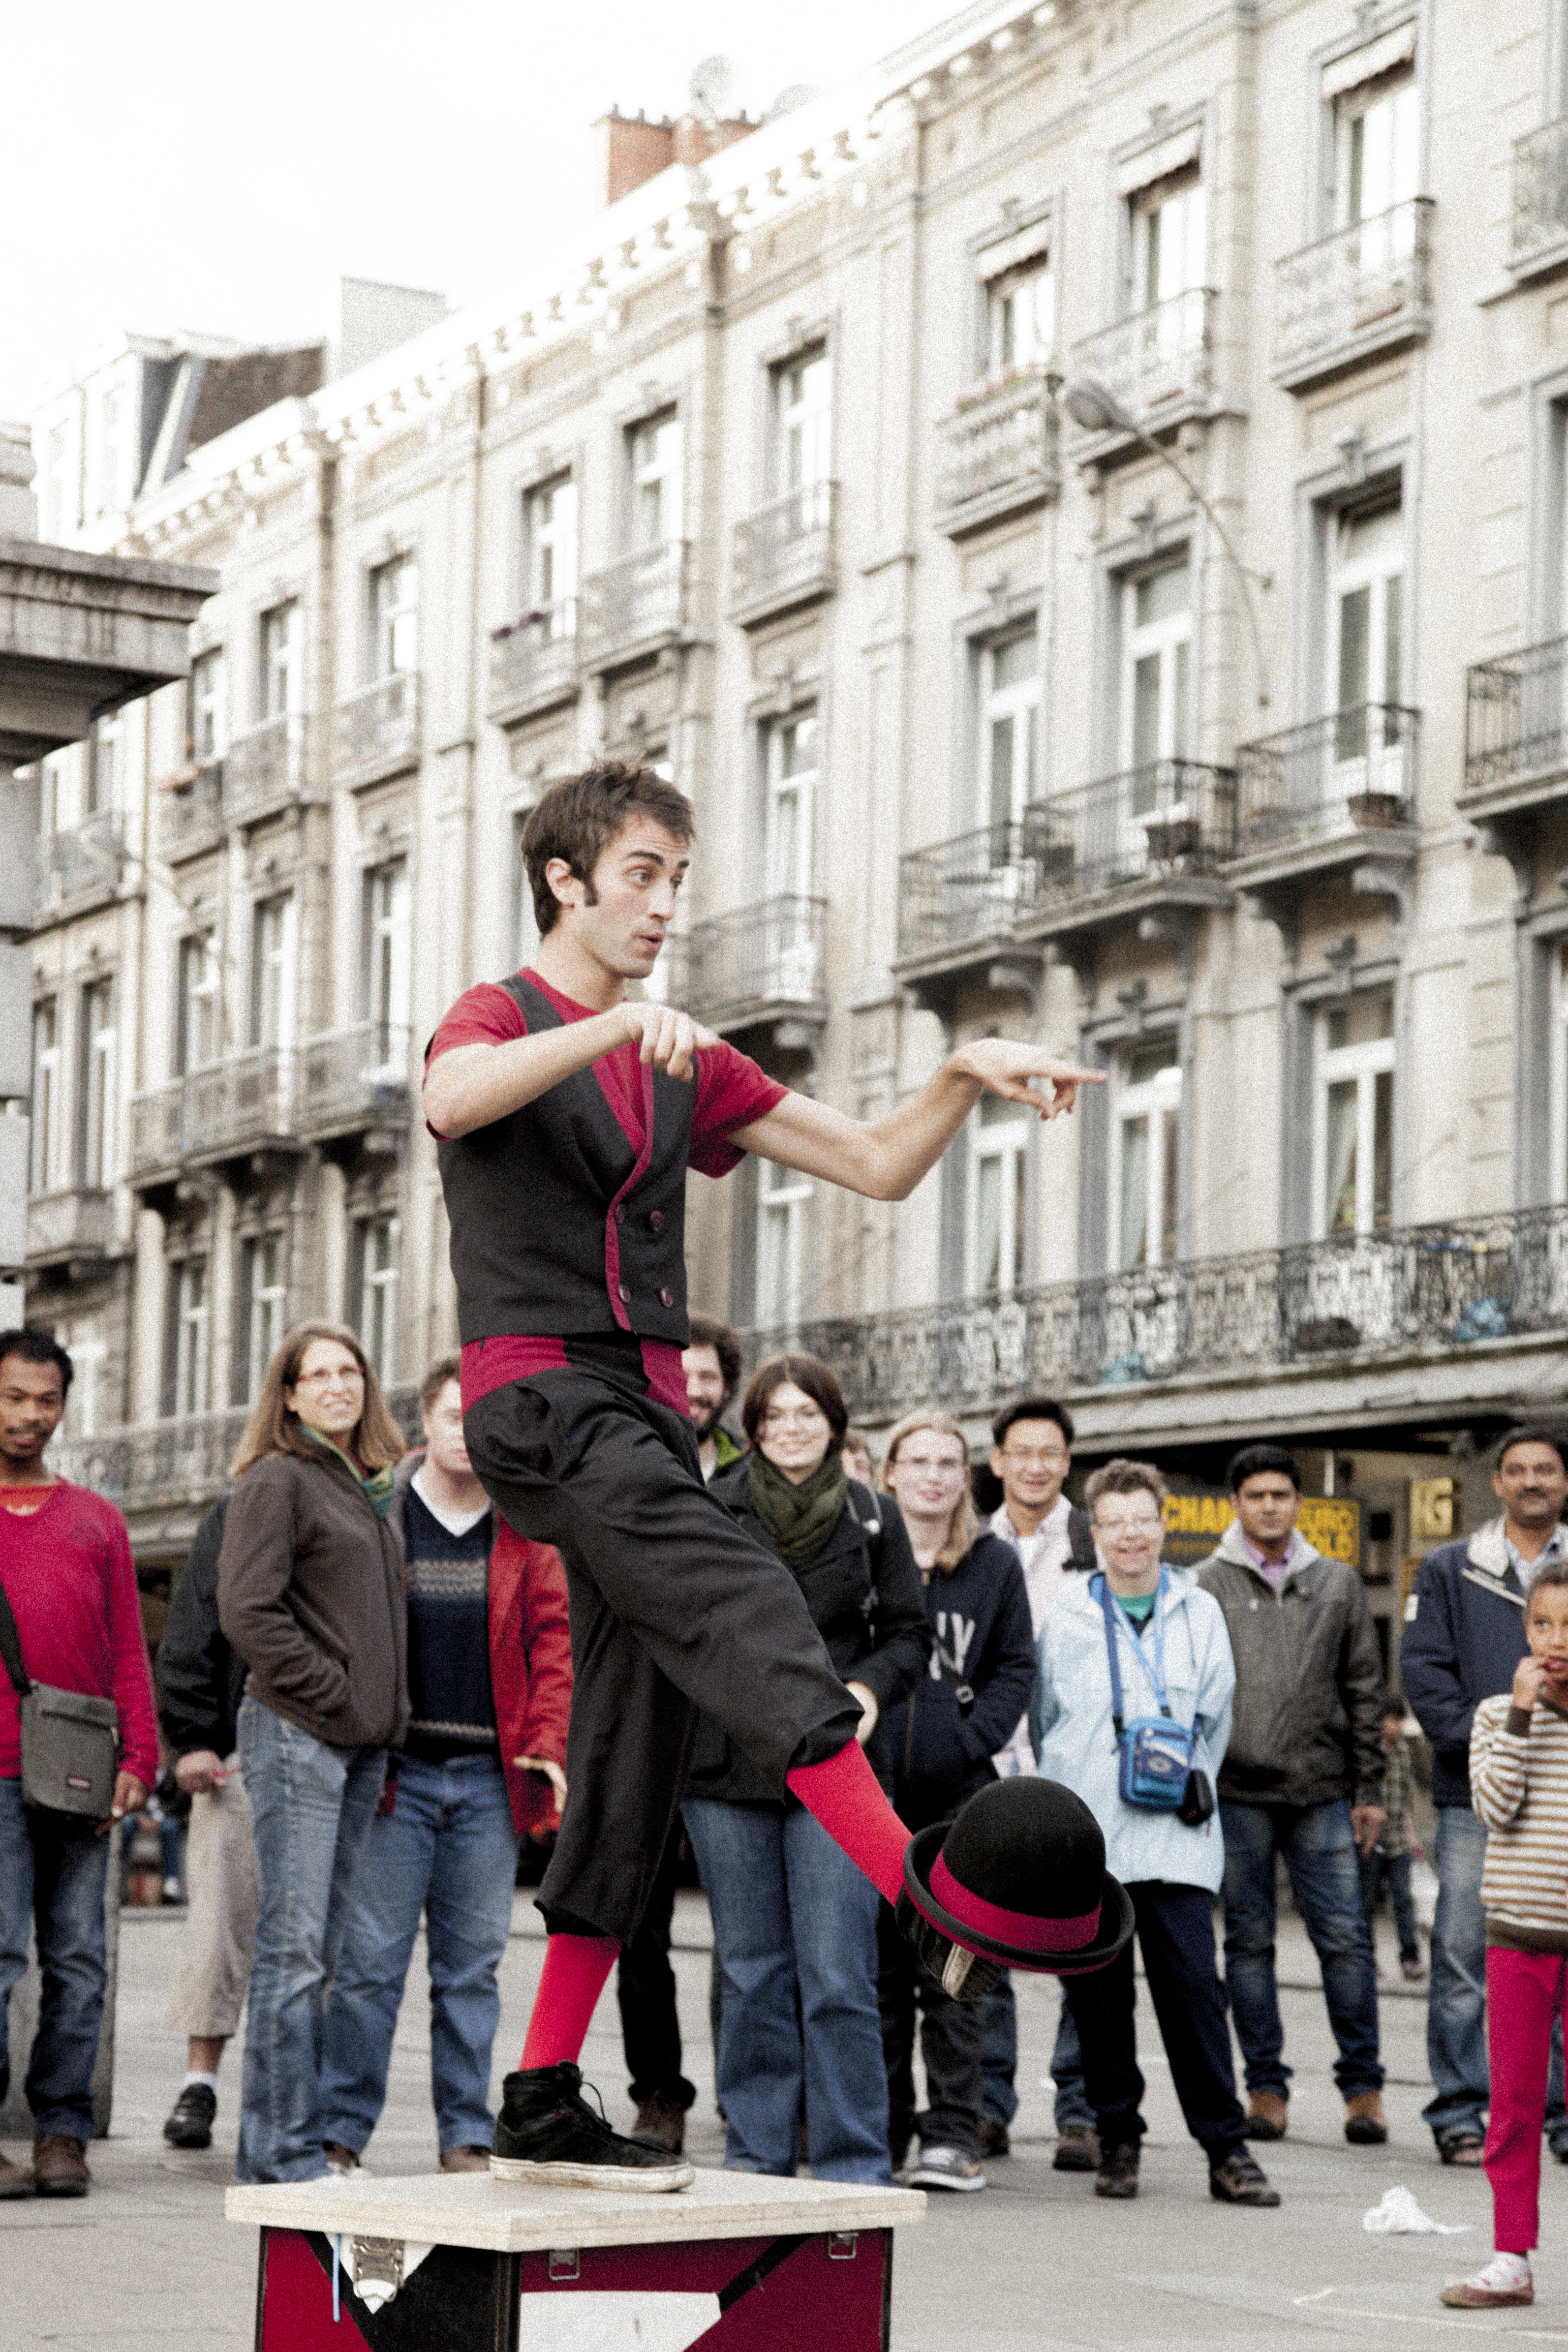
[566,1118]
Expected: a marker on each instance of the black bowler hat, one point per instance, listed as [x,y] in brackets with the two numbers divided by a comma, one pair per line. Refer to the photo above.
[1020,1878]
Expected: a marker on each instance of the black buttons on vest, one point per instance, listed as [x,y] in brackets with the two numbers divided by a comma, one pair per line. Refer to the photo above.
[656,1220]
[667,1298]
[625,1292]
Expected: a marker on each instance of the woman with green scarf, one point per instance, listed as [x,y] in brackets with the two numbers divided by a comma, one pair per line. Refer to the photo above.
[794,1923]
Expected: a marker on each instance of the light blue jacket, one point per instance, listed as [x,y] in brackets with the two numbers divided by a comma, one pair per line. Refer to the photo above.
[1075,1742]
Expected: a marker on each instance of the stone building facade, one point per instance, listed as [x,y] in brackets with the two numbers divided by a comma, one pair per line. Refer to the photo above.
[1083,513]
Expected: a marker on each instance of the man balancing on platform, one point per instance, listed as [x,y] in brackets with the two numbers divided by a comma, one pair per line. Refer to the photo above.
[567,1118]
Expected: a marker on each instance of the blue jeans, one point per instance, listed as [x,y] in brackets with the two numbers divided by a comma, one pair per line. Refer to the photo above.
[790,1909]
[998,2096]
[1376,1867]
[447,1849]
[1321,1857]
[310,1808]
[52,1878]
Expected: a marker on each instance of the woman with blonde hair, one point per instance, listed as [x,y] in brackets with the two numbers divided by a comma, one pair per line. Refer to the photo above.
[310,1594]
[937,1744]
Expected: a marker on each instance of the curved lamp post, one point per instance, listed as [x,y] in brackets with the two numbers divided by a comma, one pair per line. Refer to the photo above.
[1088,403]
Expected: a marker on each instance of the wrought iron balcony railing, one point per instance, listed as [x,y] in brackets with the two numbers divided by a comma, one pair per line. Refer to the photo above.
[784,552]
[998,453]
[755,961]
[376,731]
[533,662]
[1540,229]
[1164,822]
[1358,292]
[191,811]
[232,1106]
[633,607]
[1349,774]
[84,861]
[78,1223]
[1428,1289]
[268,767]
[1158,364]
[968,893]
[1516,718]
[352,1078]
[153,1464]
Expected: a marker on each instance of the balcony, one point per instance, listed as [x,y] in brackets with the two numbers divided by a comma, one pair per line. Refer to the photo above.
[80,866]
[190,806]
[1516,735]
[353,1079]
[236,1106]
[1470,1295]
[1538,241]
[784,553]
[268,769]
[533,663]
[1149,842]
[375,733]
[1338,792]
[758,966]
[998,454]
[633,609]
[73,1227]
[1158,366]
[958,904]
[1353,297]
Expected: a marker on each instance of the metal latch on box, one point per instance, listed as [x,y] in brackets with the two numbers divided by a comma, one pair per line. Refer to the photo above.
[841,2246]
[378,2267]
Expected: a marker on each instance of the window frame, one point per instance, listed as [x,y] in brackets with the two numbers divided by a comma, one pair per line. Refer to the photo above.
[97,1063]
[384,620]
[203,990]
[1008,1129]
[641,475]
[995,705]
[280,655]
[1159,1101]
[785,1201]
[286,961]
[375,1319]
[47,1104]
[1361,1064]
[548,537]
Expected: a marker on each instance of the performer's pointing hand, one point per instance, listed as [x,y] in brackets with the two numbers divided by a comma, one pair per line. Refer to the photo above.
[1024,1073]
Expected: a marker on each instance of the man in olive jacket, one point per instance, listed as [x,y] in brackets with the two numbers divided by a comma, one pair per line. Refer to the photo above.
[1303,1777]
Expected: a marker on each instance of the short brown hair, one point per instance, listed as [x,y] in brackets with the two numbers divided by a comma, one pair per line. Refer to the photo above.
[965,1525]
[579,817]
[807,1372]
[1123,1478]
[273,1428]
[706,1332]
[448,1368]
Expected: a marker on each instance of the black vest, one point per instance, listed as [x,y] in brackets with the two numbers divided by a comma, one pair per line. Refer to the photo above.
[557,1228]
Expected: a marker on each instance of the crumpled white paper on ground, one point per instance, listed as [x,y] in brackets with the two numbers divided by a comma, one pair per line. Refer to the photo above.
[1399,2216]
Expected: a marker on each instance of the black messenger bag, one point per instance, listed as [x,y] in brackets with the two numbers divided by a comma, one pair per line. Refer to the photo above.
[71,1741]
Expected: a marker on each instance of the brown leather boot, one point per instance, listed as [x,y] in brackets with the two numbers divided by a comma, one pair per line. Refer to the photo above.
[14,2180]
[1266,2111]
[1366,2125]
[60,2166]
[662,2123]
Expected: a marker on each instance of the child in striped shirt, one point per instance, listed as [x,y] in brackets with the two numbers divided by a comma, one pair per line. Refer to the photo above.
[1518,1786]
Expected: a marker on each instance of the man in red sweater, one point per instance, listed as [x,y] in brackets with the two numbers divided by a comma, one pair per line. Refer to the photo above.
[66,1571]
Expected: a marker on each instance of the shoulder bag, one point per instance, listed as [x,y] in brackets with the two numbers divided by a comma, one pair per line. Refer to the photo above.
[1154,1752]
[71,1740]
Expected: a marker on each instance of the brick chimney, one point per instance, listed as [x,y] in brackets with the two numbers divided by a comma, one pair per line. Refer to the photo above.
[634,150]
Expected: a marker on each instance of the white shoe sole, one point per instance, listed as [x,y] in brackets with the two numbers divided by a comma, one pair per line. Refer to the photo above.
[942,2180]
[594,2175]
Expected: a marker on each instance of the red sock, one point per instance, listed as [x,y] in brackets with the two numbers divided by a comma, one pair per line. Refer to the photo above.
[575,1969]
[845,1796]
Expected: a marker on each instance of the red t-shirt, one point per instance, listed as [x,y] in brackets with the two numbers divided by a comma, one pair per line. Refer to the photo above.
[731,1092]
[71,1582]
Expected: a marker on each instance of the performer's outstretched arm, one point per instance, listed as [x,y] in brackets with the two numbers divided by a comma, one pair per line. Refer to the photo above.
[886,1158]
[472,1084]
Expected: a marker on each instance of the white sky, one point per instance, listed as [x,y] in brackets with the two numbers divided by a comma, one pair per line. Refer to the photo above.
[195,163]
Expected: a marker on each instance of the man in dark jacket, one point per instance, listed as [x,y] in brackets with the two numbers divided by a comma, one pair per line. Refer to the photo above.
[1303,1777]
[201,1681]
[1464,1636]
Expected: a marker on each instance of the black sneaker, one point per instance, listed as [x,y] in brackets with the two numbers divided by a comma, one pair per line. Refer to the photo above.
[190,2123]
[962,1974]
[1241,2180]
[547,2132]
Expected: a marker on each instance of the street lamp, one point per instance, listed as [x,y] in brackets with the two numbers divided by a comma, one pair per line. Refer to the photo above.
[1088,403]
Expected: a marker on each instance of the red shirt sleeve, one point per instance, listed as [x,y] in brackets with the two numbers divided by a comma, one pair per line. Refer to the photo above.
[486,1016]
[732,1091]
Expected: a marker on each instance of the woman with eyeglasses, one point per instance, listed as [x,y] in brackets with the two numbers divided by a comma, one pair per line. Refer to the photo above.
[795,1923]
[311,1595]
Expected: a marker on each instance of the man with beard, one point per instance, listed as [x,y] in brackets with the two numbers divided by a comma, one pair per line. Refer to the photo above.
[712,1368]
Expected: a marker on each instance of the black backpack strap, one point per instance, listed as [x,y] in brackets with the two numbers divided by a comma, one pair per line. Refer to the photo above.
[10,1647]
[870,1533]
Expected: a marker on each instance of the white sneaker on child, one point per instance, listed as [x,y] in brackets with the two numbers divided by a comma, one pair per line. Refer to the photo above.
[1505,2279]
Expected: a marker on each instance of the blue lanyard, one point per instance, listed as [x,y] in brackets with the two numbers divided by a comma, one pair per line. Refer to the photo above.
[1112,1617]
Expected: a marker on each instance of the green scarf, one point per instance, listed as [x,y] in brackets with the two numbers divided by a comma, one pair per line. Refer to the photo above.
[376,1485]
[799,1519]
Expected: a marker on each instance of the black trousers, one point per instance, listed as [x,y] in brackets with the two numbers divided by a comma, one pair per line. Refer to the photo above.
[674,1609]
[1175,1931]
[644,1990]
[953,2042]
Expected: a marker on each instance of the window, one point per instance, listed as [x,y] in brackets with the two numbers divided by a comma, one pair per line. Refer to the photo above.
[208,707]
[1365,625]
[186,1339]
[198,1041]
[1157,635]
[550,553]
[395,617]
[383,952]
[1020,316]
[46,1104]
[273,932]
[803,425]
[999,1138]
[1170,229]
[373,1292]
[104,786]
[89,1354]
[655,452]
[1377,132]
[281,678]
[1355,1116]
[784,1204]
[790,752]
[1148,1123]
[1009,698]
[95,1086]
[263,1312]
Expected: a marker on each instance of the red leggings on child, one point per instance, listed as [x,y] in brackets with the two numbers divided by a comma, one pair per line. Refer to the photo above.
[1525,1990]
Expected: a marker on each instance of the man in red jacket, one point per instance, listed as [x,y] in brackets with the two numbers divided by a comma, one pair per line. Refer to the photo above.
[489,1681]
[67,1574]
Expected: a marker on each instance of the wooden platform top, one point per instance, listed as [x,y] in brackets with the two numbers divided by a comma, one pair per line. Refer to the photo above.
[470,2209]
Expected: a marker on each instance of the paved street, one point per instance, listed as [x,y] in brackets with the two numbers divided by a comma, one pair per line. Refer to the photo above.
[1037,2264]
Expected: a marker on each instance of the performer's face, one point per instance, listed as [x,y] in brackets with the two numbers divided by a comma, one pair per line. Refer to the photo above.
[621,920]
